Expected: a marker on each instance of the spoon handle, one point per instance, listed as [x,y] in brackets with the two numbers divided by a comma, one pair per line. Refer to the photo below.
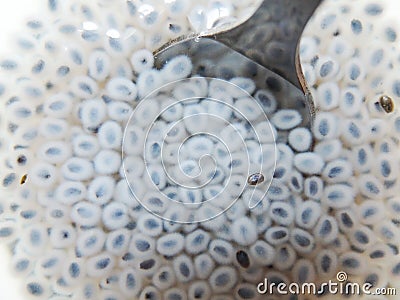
[271,36]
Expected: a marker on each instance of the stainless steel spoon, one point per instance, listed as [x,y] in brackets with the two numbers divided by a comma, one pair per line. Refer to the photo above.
[264,48]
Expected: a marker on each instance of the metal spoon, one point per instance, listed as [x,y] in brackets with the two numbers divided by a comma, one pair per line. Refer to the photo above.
[264,48]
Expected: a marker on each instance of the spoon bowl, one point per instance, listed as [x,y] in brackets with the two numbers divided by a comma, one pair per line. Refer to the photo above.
[263,48]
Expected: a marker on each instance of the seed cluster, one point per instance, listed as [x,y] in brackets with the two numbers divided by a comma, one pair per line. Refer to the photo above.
[75,210]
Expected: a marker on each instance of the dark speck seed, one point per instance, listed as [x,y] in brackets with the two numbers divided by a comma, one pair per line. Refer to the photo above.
[243,259]
[255,179]
[184,269]
[147,264]
[23,179]
[386,103]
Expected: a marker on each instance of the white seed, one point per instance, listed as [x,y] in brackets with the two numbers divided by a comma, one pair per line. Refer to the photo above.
[142,60]
[133,140]
[308,214]
[308,163]
[177,68]
[119,111]
[262,253]
[121,88]
[347,219]
[110,135]
[267,101]
[350,101]
[170,244]
[84,87]
[195,118]
[303,271]
[130,282]
[150,225]
[353,132]
[54,152]
[164,278]
[133,39]
[204,265]
[148,81]
[52,128]
[48,265]
[326,229]
[86,214]
[354,71]
[221,251]
[92,113]
[77,169]
[244,231]
[37,287]
[142,245]
[370,186]
[243,83]
[337,171]
[352,263]
[70,192]
[100,265]
[329,149]
[325,126]
[85,145]
[107,162]
[43,175]
[327,68]
[197,241]
[285,257]
[326,262]
[62,236]
[175,293]
[362,158]
[90,242]
[99,65]
[223,279]
[184,268]
[115,215]
[101,189]
[302,241]
[34,239]
[300,139]
[286,119]
[58,106]
[362,238]
[199,290]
